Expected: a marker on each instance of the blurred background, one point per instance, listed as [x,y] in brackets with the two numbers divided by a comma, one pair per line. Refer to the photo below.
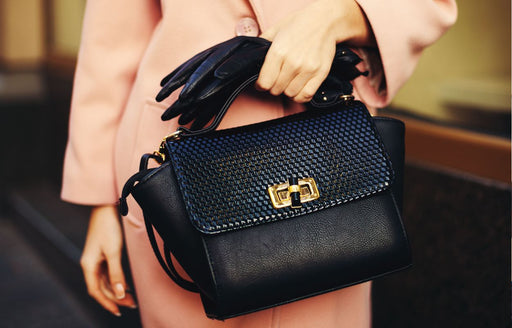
[457,191]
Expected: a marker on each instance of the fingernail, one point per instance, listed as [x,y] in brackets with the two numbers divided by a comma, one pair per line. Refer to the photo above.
[119,291]
[117,314]
[134,306]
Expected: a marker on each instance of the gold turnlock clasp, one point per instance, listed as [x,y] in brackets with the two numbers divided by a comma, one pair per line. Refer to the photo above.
[280,193]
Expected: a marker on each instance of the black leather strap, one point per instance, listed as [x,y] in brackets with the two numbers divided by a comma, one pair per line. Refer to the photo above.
[185,132]
[128,187]
[145,160]
[222,112]
[167,265]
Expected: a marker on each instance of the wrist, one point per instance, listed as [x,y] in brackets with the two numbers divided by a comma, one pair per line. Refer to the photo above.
[348,23]
[104,212]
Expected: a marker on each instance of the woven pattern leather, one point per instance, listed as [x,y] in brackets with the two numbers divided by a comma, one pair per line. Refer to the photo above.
[224,175]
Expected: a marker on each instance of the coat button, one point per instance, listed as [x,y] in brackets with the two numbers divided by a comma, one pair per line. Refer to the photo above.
[247,27]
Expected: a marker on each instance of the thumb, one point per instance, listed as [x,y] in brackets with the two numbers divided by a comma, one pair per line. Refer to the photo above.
[116,275]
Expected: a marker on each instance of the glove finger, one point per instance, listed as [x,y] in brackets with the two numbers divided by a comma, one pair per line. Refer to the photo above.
[178,79]
[220,88]
[198,58]
[202,63]
[245,45]
[204,117]
[183,73]
[242,65]
[174,110]
[249,58]
[215,103]
[190,113]
[171,113]
[203,111]
[205,70]
[189,108]
[210,90]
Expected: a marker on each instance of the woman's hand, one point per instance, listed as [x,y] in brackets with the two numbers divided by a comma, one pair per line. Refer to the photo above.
[303,46]
[101,260]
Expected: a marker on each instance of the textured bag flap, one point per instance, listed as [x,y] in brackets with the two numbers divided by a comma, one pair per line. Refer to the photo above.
[224,176]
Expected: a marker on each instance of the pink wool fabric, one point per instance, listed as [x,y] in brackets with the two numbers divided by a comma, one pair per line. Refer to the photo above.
[129,45]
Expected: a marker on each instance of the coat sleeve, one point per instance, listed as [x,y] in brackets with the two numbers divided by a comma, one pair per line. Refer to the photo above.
[114,36]
[402,30]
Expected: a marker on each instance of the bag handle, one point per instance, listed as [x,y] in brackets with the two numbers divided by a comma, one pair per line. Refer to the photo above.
[218,118]
[342,96]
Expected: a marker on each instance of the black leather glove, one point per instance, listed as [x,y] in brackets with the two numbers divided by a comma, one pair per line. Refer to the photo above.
[202,80]
[211,76]
[200,67]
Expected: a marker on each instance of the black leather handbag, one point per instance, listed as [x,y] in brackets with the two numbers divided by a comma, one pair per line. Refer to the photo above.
[274,212]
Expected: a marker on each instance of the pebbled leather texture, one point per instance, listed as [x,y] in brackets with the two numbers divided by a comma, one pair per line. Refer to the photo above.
[224,175]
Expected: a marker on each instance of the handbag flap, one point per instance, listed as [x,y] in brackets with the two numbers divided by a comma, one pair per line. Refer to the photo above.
[224,176]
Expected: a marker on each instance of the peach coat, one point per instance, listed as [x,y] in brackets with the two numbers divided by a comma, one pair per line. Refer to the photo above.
[129,45]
